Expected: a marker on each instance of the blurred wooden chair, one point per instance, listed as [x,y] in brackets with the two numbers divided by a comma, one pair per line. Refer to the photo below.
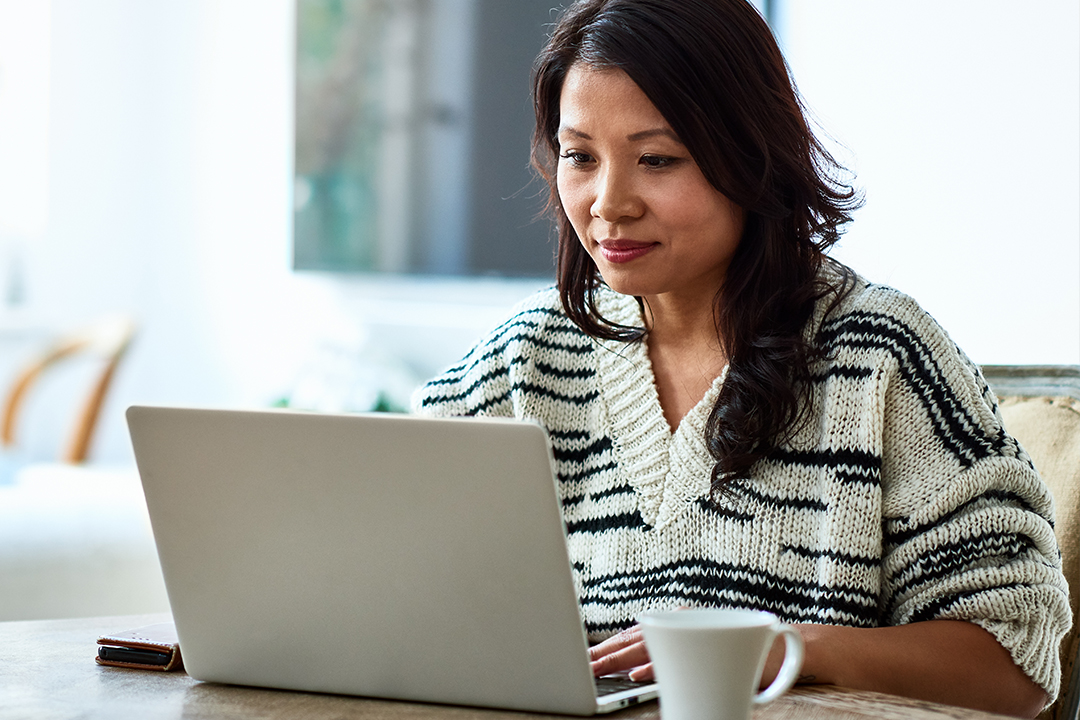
[1041,408]
[107,339]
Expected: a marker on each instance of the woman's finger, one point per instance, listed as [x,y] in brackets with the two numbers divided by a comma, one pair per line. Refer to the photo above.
[623,639]
[618,653]
[630,657]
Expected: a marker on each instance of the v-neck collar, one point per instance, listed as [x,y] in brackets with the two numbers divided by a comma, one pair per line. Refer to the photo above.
[668,470]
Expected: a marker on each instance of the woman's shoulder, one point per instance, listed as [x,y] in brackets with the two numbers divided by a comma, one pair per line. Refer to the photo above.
[536,321]
[537,316]
[536,335]
[542,315]
[866,297]
[878,326]
[546,298]
[880,310]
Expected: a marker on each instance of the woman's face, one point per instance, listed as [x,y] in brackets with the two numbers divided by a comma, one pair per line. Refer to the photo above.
[647,216]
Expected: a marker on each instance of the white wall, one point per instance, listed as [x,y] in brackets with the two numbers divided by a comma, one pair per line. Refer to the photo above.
[962,120]
[170,177]
[122,230]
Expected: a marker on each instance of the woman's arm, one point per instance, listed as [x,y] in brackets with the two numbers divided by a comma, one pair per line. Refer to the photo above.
[947,661]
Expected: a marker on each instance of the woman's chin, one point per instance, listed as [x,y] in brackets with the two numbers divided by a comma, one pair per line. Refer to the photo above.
[624,283]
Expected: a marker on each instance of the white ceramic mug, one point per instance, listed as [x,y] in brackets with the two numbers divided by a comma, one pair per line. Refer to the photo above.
[708,661]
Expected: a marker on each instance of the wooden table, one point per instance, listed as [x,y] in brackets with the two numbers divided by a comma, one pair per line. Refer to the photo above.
[47,671]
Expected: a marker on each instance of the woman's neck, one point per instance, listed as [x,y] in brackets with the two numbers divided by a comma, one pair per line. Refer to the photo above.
[685,353]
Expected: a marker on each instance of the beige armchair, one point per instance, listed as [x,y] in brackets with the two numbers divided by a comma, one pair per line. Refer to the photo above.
[1041,408]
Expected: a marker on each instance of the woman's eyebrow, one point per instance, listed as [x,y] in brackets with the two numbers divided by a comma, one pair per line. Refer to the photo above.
[570,130]
[633,137]
[663,132]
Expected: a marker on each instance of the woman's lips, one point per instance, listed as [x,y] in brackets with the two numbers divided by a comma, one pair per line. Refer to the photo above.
[622,251]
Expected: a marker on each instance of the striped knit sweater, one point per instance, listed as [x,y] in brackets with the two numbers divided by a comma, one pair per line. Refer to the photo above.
[903,499]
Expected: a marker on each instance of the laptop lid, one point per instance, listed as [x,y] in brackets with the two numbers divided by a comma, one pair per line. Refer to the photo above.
[377,555]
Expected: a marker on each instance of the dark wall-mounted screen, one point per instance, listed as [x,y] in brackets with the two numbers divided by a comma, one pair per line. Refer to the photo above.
[413,124]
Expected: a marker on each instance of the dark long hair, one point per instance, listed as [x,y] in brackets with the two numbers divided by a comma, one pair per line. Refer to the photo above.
[713,69]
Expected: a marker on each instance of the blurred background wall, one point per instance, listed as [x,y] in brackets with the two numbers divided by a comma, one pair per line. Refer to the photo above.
[168,140]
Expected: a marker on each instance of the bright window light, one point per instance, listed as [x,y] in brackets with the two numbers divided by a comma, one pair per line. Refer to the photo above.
[24,119]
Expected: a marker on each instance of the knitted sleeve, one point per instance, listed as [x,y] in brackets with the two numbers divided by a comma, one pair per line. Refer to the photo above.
[968,523]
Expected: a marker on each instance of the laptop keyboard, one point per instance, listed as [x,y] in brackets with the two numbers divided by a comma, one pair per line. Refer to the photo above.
[608,684]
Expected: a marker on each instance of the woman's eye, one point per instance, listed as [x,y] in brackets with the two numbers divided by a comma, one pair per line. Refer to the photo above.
[657,161]
[576,158]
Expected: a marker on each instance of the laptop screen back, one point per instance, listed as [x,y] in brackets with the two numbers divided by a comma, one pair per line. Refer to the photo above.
[377,555]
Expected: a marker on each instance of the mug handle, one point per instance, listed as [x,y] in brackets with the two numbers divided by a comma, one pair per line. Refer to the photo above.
[789,671]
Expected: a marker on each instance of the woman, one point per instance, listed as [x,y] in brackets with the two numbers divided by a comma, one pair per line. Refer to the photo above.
[738,420]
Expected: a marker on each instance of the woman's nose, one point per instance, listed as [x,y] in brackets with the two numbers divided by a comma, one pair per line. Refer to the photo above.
[616,198]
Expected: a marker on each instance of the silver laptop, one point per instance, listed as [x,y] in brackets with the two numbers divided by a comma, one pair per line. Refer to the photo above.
[377,555]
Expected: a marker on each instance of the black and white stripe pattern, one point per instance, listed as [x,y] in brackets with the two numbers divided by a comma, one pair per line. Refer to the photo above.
[902,499]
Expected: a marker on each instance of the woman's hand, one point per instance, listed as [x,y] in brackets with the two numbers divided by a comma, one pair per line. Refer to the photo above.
[626,652]
[622,652]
